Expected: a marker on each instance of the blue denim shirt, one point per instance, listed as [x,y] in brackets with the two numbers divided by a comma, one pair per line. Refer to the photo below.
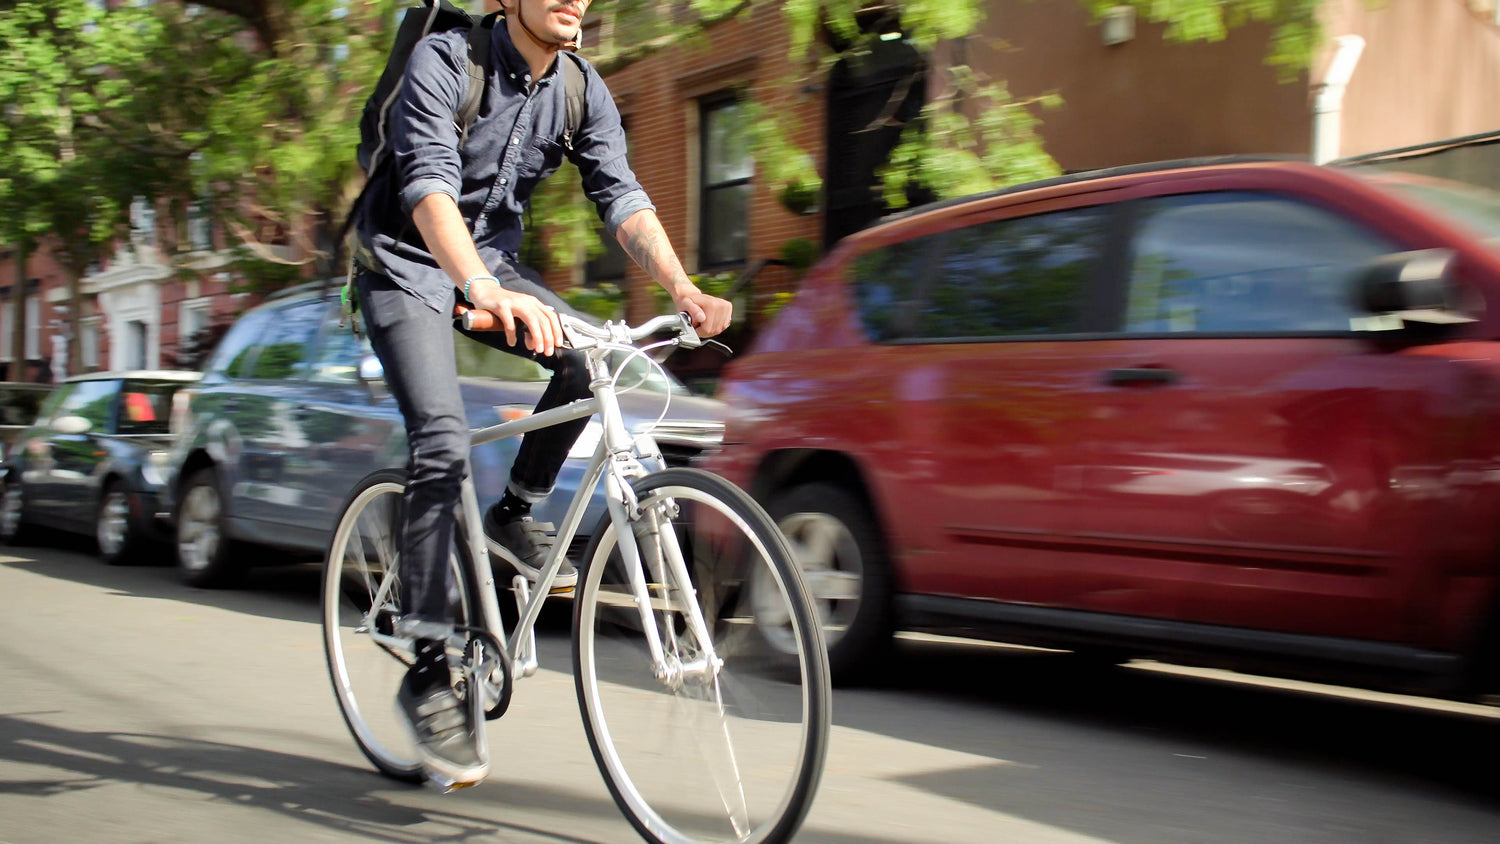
[514,143]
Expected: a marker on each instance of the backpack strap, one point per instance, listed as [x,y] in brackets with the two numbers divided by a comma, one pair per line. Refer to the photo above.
[575,88]
[480,38]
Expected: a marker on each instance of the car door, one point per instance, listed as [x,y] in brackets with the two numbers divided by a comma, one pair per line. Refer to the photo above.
[76,449]
[33,456]
[348,428]
[269,488]
[979,371]
[1250,445]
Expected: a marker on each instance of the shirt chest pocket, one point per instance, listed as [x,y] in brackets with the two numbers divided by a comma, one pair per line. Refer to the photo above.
[539,159]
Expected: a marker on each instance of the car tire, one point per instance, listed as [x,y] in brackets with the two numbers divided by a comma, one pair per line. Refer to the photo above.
[842,555]
[119,539]
[14,529]
[205,554]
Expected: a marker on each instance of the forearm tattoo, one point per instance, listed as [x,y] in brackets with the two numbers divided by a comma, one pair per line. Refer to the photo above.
[646,243]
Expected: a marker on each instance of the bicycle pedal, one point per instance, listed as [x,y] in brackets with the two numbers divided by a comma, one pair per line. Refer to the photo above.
[443,785]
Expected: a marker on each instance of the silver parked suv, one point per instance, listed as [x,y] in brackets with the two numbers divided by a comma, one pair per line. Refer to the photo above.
[292,412]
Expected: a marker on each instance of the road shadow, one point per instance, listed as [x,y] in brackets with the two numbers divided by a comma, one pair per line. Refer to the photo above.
[304,789]
[1092,747]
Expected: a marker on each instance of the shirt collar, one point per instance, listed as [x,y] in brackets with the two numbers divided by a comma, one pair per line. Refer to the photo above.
[512,63]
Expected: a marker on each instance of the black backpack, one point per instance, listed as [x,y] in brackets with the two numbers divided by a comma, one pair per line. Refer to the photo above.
[435,16]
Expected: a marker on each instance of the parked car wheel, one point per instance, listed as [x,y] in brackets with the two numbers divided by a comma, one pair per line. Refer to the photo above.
[842,557]
[119,539]
[13,527]
[204,553]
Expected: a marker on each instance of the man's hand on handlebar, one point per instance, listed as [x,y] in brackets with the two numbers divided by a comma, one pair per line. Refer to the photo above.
[543,330]
[710,314]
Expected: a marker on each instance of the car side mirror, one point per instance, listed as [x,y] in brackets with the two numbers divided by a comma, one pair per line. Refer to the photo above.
[1412,286]
[71,425]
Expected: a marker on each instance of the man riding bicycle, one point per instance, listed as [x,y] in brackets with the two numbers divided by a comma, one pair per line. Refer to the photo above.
[443,226]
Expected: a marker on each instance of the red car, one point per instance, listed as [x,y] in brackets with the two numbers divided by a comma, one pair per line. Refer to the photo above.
[1243,413]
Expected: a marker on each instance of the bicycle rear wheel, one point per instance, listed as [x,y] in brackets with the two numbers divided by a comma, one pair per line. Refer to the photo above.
[689,753]
[362,596]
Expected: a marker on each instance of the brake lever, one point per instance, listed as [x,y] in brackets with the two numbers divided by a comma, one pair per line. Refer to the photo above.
[719,347]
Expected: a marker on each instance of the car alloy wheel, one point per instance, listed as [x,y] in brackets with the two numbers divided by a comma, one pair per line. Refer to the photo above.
[11,505]
[832,567]
[113,529]
[198,536]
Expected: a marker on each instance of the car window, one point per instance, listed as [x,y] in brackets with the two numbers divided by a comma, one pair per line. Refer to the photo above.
[21,403]
[146,406]
[1017,277]
[336,360]
[886,282]
[284,345]
[1023,276]
[54,401]
[233,353]
[1244,262]
[92,401]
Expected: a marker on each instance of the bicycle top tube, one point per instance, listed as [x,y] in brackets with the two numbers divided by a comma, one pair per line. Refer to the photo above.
[536,421]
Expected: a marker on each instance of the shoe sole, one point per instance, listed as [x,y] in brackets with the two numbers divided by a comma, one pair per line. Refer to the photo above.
[442,773]
[562,584]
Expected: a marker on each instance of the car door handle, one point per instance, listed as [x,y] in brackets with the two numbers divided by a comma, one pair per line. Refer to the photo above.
[1128,377]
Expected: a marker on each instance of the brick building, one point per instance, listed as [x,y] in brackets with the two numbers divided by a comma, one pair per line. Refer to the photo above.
[1428,71]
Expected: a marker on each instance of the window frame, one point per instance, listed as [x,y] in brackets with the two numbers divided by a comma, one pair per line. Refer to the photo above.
[706,106]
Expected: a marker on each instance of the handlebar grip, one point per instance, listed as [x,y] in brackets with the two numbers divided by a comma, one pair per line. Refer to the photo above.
[475,319]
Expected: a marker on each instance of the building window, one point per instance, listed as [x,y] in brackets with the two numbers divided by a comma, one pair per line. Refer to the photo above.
[88,343]
[200,227]
[6,318]
[136,335]
[142,222]
[724,201]
[33,328]
[192,316]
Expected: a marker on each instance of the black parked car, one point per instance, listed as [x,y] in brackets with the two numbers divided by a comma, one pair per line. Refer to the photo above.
[292,412]
[94,461]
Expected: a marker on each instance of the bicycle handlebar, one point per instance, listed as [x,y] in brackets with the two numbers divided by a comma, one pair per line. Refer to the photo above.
[578,334]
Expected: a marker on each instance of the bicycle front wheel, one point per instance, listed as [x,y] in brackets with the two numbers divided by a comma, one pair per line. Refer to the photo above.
[362,600]
[702,731]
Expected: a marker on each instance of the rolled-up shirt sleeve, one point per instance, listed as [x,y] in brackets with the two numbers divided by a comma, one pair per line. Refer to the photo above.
[599,152]
[424,141]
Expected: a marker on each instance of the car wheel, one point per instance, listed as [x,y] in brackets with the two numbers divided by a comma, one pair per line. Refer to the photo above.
[204,552]
[13,527]
[842,557]
[114,530]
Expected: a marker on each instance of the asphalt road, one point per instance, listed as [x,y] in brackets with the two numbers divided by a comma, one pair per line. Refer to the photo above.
[136,709]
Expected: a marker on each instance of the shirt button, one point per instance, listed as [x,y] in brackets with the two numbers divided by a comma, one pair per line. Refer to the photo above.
[512,76]
[514,139]
[504,181]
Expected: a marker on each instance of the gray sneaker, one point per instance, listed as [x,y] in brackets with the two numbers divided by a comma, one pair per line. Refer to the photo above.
[525,544]
[446,739]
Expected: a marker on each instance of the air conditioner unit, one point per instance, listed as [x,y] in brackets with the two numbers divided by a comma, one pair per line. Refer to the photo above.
[1117,25]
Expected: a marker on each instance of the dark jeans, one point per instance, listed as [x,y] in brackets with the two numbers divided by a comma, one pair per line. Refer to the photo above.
[416,352]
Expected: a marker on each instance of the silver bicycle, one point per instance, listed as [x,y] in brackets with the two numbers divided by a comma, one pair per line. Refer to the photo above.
[704,723]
